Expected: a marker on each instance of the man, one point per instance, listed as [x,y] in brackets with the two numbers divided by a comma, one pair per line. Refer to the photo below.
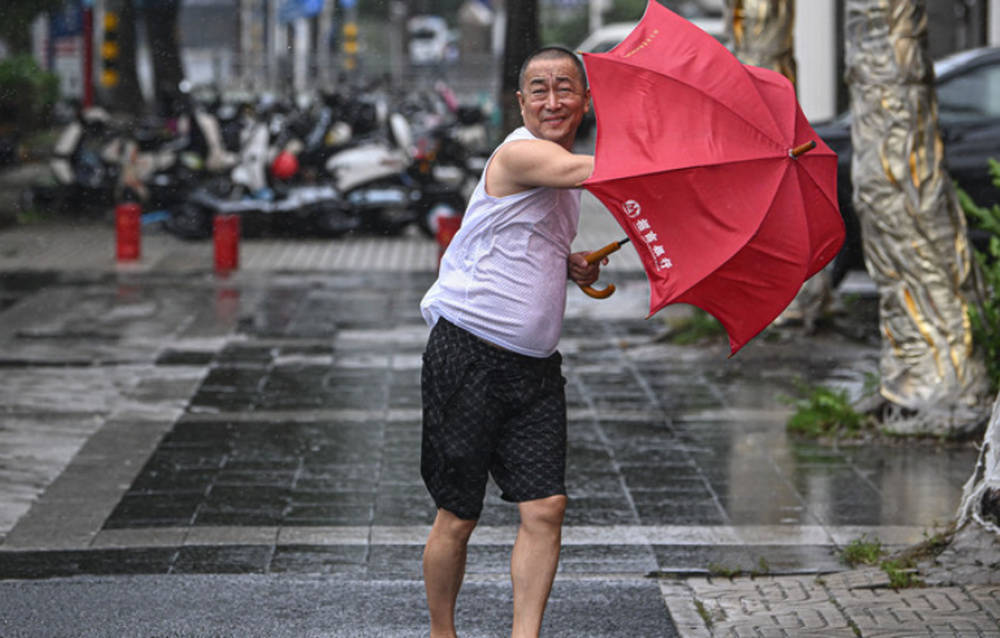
[491,382]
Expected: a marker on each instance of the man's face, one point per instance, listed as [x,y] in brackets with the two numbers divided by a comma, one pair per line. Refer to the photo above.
[553,100]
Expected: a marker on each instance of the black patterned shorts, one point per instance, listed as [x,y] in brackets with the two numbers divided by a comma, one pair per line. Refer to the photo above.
[489,410]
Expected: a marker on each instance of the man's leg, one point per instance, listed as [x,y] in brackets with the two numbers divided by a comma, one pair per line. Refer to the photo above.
[444,568]
[534,560]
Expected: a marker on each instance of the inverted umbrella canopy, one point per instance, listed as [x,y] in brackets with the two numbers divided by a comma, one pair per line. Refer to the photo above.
[702,160]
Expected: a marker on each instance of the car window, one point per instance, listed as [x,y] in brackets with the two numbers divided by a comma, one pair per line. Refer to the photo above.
[971,95]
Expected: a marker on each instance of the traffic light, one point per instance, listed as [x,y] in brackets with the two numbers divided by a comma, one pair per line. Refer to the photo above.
[350,44]
[110,50]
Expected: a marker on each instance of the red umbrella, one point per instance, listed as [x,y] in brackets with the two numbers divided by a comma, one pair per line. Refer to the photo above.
[713,171]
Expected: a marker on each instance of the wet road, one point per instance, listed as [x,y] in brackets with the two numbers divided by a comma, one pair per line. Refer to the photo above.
[183,454]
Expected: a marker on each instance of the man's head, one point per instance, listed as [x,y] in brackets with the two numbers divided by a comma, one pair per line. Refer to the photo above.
[553,94]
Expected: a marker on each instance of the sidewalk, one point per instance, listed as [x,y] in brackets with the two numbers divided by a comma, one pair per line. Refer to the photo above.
[188,455]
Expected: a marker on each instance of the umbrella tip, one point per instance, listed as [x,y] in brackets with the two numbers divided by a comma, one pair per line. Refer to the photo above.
[802,148]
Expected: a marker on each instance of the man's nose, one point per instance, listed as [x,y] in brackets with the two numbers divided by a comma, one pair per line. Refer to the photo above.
[552,100]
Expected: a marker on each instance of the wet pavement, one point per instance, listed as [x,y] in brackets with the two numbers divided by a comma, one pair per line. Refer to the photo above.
[188,454]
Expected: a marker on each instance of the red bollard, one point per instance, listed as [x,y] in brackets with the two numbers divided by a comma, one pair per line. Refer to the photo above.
[128,227]
[226,235]
[448,225]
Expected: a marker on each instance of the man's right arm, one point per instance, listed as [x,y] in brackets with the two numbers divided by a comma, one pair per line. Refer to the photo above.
[525,164]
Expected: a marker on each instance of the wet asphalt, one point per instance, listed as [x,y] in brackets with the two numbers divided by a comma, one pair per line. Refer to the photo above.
[186,454]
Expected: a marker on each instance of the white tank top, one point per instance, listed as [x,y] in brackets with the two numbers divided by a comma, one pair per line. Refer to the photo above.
[503,277]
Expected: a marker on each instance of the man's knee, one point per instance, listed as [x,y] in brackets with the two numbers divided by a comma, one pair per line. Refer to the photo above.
[543,512]
[453,527]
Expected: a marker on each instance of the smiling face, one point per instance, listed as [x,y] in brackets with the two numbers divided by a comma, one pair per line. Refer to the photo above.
[553,98]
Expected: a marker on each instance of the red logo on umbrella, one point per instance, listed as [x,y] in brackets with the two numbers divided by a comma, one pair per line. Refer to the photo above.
[632,208]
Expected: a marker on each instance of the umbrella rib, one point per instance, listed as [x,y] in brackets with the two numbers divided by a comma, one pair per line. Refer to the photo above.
[819,187]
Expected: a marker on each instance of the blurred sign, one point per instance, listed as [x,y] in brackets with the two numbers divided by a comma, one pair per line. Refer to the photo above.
[294,9]
[67,22]
[67,64]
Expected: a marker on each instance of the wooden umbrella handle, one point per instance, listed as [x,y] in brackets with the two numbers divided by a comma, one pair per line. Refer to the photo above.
[595,257]
[801,149]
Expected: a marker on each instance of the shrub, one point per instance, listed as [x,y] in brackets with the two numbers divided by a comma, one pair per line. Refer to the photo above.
[27,93]
[985,319]
[822,411]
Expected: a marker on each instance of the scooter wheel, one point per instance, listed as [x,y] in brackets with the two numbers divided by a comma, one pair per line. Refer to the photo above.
[392,220]
[190,221]
[334,222]
[428,220]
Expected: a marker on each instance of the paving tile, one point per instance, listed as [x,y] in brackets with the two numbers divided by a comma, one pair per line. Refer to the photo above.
[55,564]
[231,535]
[324,559]
[703,559]
[228,559]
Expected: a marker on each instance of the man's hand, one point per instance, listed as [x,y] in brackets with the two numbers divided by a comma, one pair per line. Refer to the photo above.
[581,272]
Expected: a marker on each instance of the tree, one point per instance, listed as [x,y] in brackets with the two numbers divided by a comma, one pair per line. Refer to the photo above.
[15,27]
[933,381]
[161,18]
[763,34]
[520,40]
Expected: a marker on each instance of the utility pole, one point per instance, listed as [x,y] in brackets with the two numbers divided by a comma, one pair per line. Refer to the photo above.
[275,44]
[323,32]
[993,14]
[246,43]
[397,25]
[301,47]
[88,53]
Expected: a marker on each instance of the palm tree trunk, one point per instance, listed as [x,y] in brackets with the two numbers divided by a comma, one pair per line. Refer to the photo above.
[913,230]
[164,44]
[763,34]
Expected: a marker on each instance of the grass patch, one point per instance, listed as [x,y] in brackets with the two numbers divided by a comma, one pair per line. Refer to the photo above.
[822,411]
[763,567]
[703,612]
[723,571]
[902,573]
[696,327]
[862,551]
[901,569]
[30,216]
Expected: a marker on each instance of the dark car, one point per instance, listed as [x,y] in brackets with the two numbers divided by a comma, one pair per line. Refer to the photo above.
[968,93]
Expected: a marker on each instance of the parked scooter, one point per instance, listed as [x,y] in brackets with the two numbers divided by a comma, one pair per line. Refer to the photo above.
[372,177]
[85,166]
[265,193]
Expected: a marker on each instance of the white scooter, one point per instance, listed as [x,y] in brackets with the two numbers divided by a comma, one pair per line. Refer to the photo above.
[372,178]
